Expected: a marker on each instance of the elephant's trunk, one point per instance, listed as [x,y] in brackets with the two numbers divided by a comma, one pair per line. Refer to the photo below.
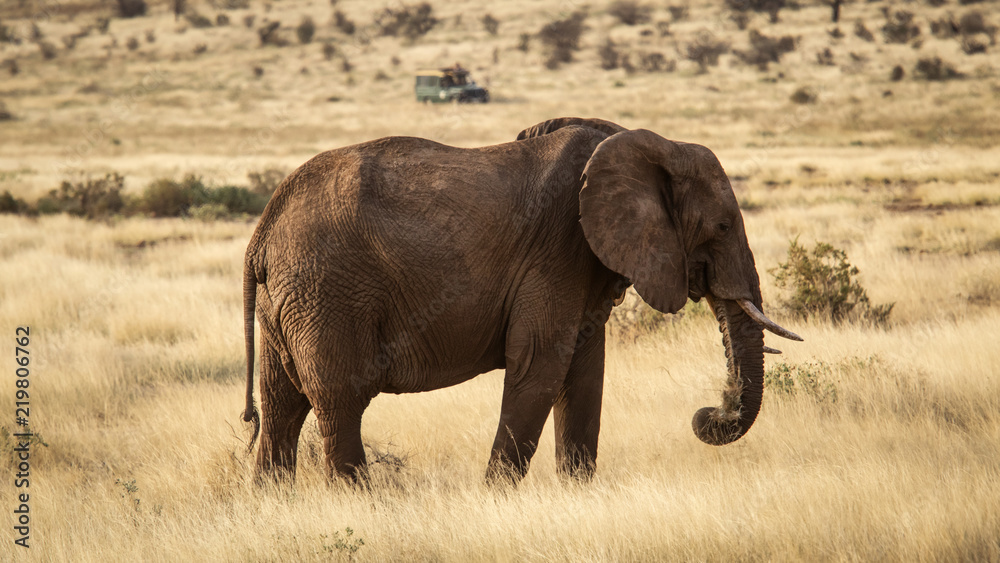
[744,342]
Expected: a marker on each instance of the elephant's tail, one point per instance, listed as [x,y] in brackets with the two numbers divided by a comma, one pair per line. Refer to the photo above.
[249,305]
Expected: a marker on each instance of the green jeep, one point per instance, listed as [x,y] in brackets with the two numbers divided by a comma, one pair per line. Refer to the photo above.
[449,84]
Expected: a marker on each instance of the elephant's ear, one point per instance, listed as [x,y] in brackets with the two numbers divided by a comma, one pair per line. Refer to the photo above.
[626,212]
[546,127]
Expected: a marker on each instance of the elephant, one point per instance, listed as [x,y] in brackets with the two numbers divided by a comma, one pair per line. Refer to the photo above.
[402,265]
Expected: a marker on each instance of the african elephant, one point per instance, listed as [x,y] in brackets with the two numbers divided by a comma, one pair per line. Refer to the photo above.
[402,265]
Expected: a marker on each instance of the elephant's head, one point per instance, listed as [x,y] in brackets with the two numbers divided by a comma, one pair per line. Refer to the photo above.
[663,214]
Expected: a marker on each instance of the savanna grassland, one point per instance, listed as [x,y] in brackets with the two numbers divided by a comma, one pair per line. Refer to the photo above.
[875,441]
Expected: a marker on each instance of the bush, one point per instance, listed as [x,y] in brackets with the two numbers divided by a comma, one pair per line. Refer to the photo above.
[678,13]
[266,181]
[630,12]
[167,198]
[814,380]
[765,50]
[770,7]
[608,54]
[805,95]
[90,198]
[706,51]
[269,35]
[860,30]
[329,50]
[656,62]
[935,69]
[411,22]
[11,204]
[131,8]
[822,286]
[343,23]
[491,24]
[198,21]
[562,37]
[305,30]
[899,27]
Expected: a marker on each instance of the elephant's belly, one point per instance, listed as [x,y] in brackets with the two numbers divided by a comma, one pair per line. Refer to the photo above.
[424,379]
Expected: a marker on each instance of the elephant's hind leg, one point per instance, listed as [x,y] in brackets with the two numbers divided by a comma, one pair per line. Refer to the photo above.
[283,410]
[340,426]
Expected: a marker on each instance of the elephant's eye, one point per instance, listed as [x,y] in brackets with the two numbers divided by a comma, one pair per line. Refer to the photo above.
[723,227]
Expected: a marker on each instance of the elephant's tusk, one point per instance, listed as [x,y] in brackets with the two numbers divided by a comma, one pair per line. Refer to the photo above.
[767,323]
[769,350]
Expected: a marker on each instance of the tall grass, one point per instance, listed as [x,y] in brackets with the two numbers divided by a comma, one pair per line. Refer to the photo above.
[138,380]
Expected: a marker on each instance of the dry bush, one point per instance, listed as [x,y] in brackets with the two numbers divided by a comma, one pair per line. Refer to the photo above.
[609,55]
[561,38]
[305,30]
[944,28]
[150,36]
[412,22]
[706,50]
[524,42]
[329,50]
[132,43]
[6,34]
[343,23]
[221,20]
[897,73]
[741,19]
[630,12]
[132,8]
[654,61]
[972,46]
[934,68]
[770,7]
[269,35]
[491,24]
[248,20]
[11,66]
[765,50]
[861,31]
[899,27]
[93,198]
[804,95]
[197,20]
[266,181]
[48,50]
[5,114]
[200,48]
[678,13]
[825,57]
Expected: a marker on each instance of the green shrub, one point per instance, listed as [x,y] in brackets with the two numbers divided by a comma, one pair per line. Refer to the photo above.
[167,198]
[11,204]
[822,286]
[706,50]
[237,199]
[812,380]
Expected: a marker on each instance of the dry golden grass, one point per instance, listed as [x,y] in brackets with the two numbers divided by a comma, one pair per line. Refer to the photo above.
[887,451]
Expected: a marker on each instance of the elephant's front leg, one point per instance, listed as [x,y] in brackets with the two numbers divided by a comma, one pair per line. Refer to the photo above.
[536,366]
[577,410]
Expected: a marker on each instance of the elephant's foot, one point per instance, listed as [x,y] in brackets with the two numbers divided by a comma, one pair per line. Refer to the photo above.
[345,453]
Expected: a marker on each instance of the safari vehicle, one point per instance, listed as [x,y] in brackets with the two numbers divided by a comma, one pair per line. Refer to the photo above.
[449,84]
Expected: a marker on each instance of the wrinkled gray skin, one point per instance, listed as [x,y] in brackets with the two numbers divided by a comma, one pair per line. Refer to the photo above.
[402,265]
